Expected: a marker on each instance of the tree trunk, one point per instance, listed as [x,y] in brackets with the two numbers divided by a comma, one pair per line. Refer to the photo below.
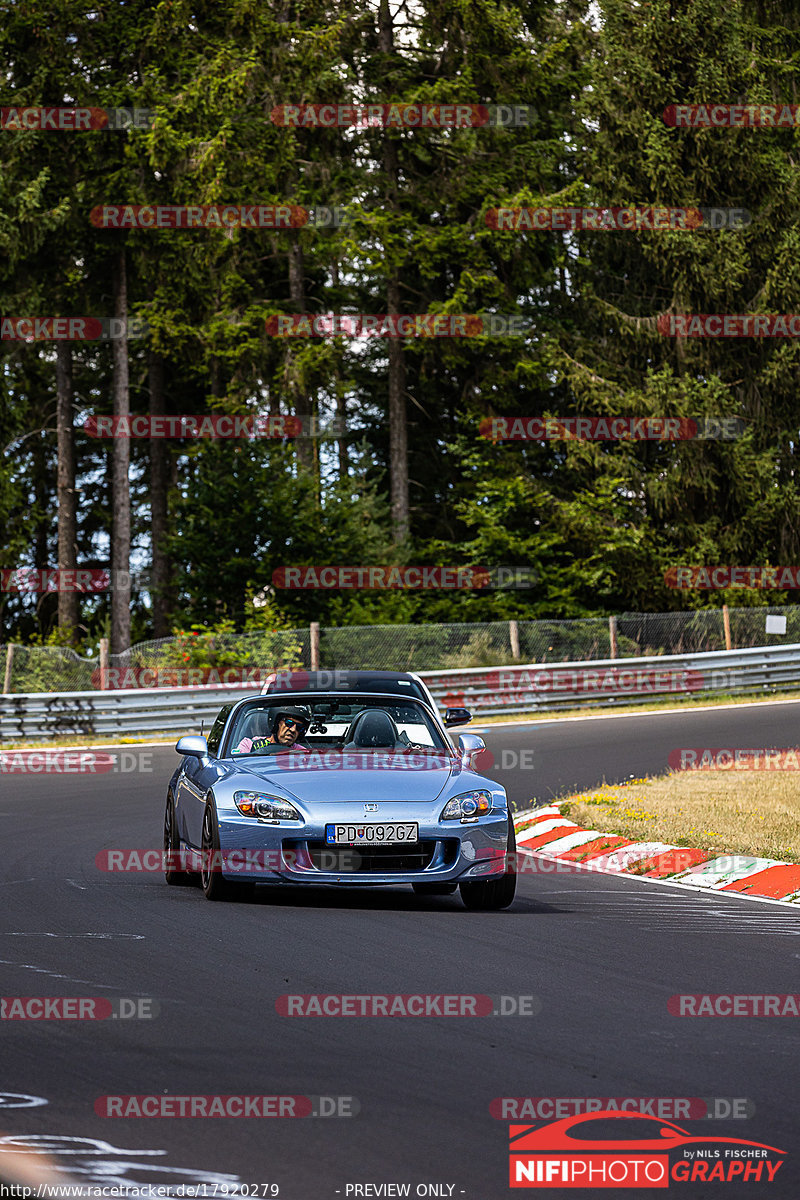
[341,421]
[68,602]
[159,490]
[302,402]
[341,399]
[43,502]
[398,427]
[120,483]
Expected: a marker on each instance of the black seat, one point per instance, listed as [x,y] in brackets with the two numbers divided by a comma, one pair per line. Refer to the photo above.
[256,725]
[372,729]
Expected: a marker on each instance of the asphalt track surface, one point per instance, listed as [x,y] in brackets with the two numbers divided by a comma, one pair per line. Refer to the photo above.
[601,954]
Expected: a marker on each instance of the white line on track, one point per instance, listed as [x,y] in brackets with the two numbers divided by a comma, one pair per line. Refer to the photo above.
[135,937]
[6,962]
[616,716]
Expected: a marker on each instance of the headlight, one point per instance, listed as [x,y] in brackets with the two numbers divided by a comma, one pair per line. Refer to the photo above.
[468,804]
[272,808]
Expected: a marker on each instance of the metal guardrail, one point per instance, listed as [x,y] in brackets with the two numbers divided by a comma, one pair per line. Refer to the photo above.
[606,682]
[489,691]
[115,713]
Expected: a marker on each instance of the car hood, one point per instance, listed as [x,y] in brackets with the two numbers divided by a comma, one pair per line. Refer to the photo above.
[334,785]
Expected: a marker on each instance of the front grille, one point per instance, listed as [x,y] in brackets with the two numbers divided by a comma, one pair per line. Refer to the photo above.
[349,860]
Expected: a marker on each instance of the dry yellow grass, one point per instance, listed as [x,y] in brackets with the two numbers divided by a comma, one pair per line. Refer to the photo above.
[741,812]
[93,740]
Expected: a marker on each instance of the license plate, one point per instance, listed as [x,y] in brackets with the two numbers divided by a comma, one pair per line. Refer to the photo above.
[371,835]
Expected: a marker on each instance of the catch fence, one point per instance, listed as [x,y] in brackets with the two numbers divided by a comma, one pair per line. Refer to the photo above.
[191,659]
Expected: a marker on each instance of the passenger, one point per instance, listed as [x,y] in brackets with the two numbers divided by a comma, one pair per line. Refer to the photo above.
[290,724]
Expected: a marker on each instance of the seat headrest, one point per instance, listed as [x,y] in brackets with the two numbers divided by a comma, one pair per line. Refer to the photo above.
[256,724]
[373,729]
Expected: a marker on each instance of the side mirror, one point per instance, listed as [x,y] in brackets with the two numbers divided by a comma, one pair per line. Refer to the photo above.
[457,716]
[469,744]
[193,746]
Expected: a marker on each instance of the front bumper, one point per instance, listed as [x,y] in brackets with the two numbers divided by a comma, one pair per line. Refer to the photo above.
[447,852]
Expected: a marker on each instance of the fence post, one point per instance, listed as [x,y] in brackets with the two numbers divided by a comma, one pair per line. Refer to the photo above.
[726,621]
[9,661]
[513,637]
[612,635]
[314,631]
[103,663]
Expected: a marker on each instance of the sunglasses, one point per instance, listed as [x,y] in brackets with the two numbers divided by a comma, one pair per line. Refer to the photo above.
[293,723]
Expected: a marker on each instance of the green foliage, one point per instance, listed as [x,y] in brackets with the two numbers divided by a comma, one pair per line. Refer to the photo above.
[600,523]
[219,649]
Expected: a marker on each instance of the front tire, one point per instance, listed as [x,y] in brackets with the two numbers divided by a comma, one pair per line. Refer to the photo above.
[491,895]
[172,845]
[214,884]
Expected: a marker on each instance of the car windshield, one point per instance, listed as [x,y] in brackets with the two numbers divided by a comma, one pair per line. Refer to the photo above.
[352,724]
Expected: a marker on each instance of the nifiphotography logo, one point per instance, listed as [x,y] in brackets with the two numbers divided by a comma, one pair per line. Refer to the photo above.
[612,1149]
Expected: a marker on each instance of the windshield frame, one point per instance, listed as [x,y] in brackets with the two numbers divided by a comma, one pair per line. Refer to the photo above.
[380,700]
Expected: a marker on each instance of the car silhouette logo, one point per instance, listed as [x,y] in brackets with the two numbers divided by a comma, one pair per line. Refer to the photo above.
[636,1132]
[629,1149]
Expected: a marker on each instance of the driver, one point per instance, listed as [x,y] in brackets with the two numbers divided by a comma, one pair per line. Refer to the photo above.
[289,725]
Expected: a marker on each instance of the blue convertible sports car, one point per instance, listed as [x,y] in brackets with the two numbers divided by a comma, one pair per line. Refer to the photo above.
[338,787]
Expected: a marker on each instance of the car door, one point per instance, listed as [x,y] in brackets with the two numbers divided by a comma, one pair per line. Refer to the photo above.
[190,799]
[195,779]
